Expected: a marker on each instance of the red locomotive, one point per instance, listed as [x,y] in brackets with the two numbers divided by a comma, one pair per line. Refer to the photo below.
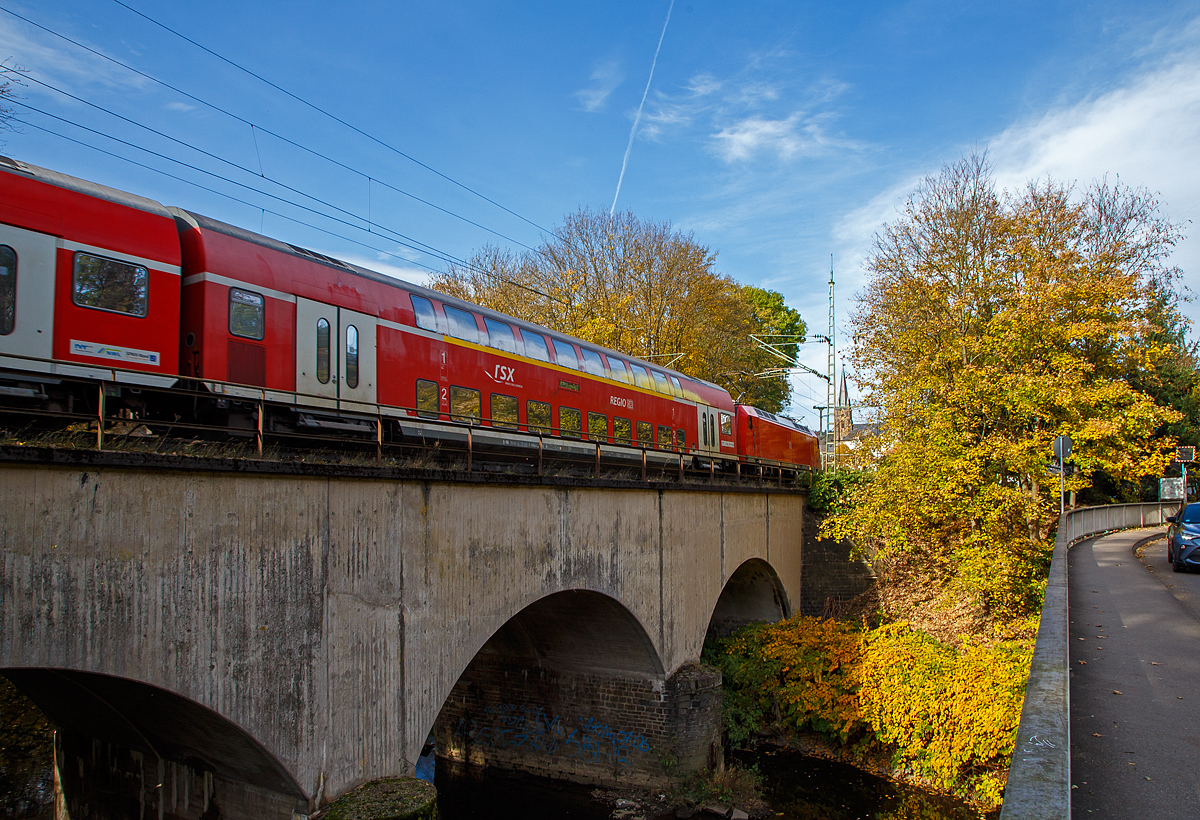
[102,284]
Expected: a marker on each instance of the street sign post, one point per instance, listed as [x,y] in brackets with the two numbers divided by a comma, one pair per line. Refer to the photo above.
[1184,456]
[1062,449]
[1170,489]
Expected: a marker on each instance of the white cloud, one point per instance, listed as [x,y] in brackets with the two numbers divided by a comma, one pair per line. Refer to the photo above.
[181,107]
[606,76]
[794,136]
[1147,132]
[667,111]
[56,62]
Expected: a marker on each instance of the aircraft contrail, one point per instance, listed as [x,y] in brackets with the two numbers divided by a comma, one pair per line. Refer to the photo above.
[638,118]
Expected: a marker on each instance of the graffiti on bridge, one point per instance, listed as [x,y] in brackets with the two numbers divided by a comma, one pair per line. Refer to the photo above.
[529,729]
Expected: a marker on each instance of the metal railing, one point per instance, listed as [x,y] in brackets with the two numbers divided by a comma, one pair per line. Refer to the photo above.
[1039,779]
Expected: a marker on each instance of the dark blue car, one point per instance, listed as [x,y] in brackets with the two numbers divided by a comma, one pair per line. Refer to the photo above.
[1183,538]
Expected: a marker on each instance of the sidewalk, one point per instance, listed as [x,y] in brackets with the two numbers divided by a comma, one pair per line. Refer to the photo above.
[1135,682]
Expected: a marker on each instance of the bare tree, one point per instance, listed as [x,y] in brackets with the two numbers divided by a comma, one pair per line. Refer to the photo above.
[11,79]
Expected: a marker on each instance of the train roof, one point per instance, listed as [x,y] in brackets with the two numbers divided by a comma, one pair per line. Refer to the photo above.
[208,223]
[93,189]
[777,419]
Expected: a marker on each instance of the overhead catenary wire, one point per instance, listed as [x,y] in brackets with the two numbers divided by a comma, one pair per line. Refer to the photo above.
[440,255]
[225,195]
[334,117]
[417,246]
[257,127]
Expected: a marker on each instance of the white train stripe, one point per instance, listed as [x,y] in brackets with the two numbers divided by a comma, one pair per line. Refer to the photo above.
[68,245]
[218,279]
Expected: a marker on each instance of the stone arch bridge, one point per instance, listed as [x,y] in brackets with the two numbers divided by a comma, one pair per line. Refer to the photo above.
[203,633]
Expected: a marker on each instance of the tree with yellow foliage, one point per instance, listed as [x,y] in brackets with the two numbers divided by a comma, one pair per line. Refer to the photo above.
[640,287]
[992,323]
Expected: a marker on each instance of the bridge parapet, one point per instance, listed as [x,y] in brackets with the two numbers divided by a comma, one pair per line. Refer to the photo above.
[1039,779]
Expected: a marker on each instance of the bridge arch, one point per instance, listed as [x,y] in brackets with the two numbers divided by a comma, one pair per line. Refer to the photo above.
[754,592]
[576,630]
[572,685]
[151,737]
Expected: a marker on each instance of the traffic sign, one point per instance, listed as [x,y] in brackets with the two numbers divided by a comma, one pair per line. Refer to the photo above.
[1062,448]
[1185,454]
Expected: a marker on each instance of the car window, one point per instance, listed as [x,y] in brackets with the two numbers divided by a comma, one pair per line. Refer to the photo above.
[565,355]
[1191,514]
[535,346]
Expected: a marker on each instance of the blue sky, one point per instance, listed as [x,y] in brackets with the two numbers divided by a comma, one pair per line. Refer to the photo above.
[778,133]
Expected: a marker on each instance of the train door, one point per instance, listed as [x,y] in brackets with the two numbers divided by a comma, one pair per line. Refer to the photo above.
[335,355]
[707,422]
[27,262]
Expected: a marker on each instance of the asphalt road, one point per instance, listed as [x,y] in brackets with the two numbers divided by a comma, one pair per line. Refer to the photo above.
[1135,681]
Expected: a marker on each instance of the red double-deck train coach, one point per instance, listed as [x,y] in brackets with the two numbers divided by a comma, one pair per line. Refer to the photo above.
[92,278]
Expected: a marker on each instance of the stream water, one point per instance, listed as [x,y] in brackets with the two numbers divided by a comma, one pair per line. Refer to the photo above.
[797,787]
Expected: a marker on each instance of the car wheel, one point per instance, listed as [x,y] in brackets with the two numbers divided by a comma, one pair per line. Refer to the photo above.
[1177,566]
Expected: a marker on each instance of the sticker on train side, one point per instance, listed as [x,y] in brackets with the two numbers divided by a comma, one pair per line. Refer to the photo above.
[115,353]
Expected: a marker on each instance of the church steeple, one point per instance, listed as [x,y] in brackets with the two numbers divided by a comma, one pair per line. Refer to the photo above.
[845,418]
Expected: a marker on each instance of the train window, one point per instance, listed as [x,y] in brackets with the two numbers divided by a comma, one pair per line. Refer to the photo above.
[640,377]
[618,370]
[565,355]
[462,324]
[500,336]
[351,356]
[535,346]
[8,290]
[597,427]
[570,422]
[504,411]
[660,383]
[645,431]
[592,363]
[726,424]
[704,428]
[681,440]
[537,417]
[106,284]
[712,428]
[623,430]
[676,387]
[427,399]
[465,405]
[664,437]
[247,313]
[323,351]
[423,312]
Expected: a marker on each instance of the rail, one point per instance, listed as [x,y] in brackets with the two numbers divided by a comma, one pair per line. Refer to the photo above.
[1039,779]
[371,428]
